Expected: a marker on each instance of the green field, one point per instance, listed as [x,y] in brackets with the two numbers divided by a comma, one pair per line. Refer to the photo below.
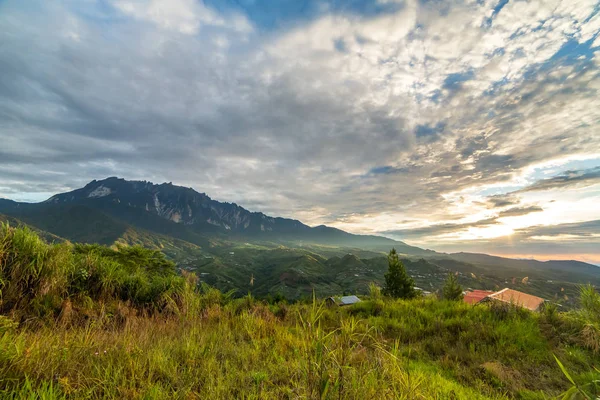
[86,321]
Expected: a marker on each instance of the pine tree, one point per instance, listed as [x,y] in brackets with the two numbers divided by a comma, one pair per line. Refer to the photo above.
[452,289]
[398,284]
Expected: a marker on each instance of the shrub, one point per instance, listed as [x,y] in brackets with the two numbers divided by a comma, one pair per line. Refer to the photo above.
[37,278]
[374,291]
[590,316]
[452,290]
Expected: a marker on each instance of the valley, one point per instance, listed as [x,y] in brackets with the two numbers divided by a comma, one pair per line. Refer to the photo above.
[232,248]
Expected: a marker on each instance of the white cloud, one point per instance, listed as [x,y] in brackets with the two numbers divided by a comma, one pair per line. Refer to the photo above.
[184,16]
[443,100]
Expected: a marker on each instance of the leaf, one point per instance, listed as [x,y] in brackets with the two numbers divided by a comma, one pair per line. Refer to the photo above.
[564,370]
[570,394]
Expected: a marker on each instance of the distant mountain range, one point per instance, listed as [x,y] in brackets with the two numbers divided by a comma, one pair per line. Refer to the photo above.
[228,243]
[110,204]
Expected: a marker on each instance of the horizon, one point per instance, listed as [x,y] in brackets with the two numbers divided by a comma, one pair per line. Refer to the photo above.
[515,257]
[455,126]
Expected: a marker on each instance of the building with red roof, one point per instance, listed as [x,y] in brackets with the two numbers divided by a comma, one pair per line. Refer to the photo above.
[475,296]
[517,298]
[505,295]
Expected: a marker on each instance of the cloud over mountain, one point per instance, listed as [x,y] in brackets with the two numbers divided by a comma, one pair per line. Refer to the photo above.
[403,116]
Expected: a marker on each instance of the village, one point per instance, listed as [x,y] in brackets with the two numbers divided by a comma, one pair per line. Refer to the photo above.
[506,296]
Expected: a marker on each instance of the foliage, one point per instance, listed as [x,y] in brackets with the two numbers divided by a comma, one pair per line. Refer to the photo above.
[39,281]
[452,290]
[398,284]
[128,326]
[590,304]
[374,291]
[589,391]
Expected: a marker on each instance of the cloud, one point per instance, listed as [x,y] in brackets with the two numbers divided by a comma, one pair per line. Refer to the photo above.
[586,231]
[440,229]
[183,16]
[517,211]
[458,227]
[357,114]
[579,178]
[503,200]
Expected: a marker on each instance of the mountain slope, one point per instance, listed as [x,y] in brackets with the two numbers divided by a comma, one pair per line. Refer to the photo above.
[230,246]
[71,221]
[188,215]
[78,223]
[47,236]
[566,270]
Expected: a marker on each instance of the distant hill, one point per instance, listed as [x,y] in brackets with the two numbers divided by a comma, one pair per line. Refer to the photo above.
[560,269]
[230,247]
[14,222]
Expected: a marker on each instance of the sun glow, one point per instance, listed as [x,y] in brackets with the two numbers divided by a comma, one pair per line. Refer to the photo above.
[478,233]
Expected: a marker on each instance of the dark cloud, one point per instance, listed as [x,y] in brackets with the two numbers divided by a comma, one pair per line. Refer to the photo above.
[566,179]
[503,200]
[439,229]
[516,211]
[585,231]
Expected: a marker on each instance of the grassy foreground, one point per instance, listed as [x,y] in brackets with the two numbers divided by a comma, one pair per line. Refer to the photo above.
[93,322]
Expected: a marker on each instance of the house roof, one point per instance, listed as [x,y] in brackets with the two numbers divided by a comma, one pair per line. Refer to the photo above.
[345,300]
[524,300]
[475,296]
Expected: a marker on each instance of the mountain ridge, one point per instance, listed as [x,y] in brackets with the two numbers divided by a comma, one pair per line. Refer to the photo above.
[186,214]
[140,202]
[227,245]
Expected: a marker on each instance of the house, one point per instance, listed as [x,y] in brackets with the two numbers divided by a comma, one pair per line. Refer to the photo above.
[342,301]
[506,295]
[515,297]
[475,296]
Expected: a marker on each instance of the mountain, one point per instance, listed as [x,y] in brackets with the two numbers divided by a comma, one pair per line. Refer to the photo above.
[229,246]
[48,237]
[180,212]
[561,269]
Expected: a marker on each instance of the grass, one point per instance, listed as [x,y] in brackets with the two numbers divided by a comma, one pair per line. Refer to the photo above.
[94,322]
[226,353]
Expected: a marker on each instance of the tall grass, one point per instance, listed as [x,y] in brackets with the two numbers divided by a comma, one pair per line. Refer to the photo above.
[41,282]
[84,321]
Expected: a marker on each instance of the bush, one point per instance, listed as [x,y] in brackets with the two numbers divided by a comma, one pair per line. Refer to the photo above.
[37,278]
[590,316]
[452,290]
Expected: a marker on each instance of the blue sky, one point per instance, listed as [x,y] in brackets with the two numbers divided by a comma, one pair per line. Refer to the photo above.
[454,125]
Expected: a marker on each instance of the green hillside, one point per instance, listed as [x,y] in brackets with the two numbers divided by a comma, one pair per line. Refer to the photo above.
[88,321]
[295,269]
[242,251]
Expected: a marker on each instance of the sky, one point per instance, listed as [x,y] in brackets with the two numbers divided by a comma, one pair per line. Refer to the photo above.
[450,125]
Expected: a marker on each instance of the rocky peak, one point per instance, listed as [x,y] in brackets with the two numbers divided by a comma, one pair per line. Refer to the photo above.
[176,203]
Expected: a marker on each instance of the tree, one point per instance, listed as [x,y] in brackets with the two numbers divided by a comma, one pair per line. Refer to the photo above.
[398,284]
[452,290]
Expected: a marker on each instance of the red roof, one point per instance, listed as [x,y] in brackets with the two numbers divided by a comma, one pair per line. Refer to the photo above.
[518,298]
[476,296]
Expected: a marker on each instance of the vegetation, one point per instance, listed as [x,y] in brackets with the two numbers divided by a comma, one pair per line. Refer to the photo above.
[293,268]
[398,284]
[41,282]
[81,321]
[452,289]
